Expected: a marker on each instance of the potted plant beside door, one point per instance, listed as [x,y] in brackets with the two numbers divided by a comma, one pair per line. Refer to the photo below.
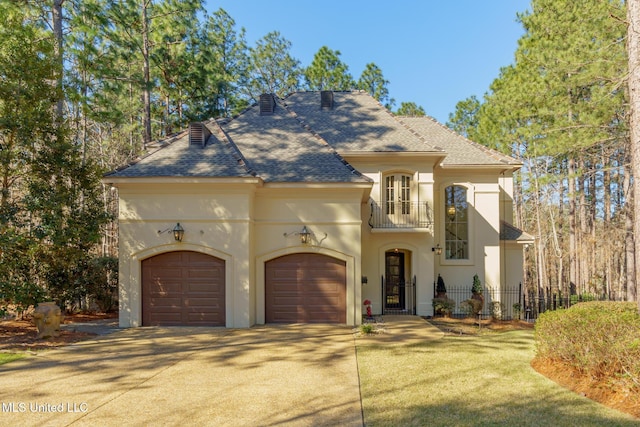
[442,305]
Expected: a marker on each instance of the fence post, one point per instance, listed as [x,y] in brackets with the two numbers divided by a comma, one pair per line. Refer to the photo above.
[520,299]
[415,296]
[384,294]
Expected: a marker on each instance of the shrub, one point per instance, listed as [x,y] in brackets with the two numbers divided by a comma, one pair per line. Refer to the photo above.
[441,288]
[600,339]
[443,306]
[584,297]
[366,328]
[517,309]
[471,307]
[497,308]
[476,287]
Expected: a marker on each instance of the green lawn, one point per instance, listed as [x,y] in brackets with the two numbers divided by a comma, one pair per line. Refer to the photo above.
[9,357]
[482,380]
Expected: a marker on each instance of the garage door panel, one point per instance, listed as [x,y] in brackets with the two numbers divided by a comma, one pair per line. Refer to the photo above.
[322,300]
[284,301]
[166,319]
[286,288]
[183,288]
[291,316]
[323,287]
[167,272]
[200,287]
[305,288]
[204,273]
[283,274]
[165,289]
[322,315]
[207,304]
[204,320]
[160,301]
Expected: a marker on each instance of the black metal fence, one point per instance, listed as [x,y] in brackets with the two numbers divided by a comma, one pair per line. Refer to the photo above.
[515,302]
[399,298]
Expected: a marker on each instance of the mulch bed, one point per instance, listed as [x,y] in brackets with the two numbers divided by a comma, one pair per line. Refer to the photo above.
[614,394]
[20,335]
[471,326]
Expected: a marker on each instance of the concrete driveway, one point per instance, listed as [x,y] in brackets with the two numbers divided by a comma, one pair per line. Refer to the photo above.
[273,375]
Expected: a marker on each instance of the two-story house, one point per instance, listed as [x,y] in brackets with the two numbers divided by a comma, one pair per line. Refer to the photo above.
[299,209]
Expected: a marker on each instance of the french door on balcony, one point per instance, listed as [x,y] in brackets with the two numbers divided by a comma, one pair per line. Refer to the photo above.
[397,196]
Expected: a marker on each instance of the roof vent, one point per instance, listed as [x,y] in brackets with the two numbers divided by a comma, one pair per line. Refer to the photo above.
[326,100]
[198,134]
[267,104]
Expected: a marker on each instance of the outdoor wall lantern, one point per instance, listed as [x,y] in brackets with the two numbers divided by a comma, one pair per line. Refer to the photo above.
[304,234]
[365,280]
[437,249]
[178,232]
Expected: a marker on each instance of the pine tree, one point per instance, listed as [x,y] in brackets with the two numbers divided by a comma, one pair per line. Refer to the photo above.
[328,72]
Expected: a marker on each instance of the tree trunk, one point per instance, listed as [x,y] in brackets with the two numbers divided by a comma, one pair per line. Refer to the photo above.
[629,224]
[559,249]
[168,129]
[633,52]
[571,189]
[56,16]
[582,255]
[146,90]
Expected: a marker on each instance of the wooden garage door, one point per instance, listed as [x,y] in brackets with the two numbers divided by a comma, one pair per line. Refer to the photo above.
[305,288]
[183,288]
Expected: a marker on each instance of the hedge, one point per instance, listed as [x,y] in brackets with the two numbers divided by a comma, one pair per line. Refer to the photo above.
[600,339]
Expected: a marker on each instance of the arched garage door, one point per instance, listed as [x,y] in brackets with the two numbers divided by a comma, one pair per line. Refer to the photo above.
[183,288]
[305,288]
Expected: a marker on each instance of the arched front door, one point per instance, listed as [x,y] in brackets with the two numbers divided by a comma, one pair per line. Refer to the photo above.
[394,280]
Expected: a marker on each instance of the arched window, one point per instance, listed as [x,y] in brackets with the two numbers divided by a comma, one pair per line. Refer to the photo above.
[456,223]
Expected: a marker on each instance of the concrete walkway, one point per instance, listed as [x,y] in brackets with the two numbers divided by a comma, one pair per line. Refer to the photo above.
[271,375]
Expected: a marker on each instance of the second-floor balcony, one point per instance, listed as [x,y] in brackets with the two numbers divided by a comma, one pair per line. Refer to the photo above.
[401,215]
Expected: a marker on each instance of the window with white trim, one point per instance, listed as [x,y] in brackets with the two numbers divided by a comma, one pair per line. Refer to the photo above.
[456,223]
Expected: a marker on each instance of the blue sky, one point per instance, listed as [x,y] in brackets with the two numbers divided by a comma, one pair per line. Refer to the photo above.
[434,53]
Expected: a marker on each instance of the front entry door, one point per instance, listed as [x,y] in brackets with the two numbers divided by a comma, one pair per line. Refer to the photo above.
[394,280]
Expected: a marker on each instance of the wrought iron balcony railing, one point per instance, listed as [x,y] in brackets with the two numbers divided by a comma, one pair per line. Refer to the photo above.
[401,215]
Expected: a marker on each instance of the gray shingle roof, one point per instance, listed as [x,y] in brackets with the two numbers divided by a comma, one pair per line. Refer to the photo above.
[511,232]
[275,148]
[280,149]
[176,158]
[300,142]
[357,123]
[460,150]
